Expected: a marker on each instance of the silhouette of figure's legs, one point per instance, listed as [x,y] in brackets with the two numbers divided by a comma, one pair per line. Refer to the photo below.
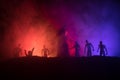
[103,53]
[45,55]
[100,53]
[89,53]
[77,54]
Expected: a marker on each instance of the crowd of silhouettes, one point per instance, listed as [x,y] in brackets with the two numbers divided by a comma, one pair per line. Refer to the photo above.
[88,50]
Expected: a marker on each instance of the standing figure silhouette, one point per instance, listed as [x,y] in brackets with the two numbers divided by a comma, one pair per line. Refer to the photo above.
[45,51]
[18,51]
[88,48]
[77,49]
[63,49]
[102,49]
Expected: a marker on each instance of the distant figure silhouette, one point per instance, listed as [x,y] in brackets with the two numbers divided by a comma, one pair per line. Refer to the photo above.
[77,49]
[88,48]
[45,51]
[103,49]
[30,53]
[18,51]
[63,49]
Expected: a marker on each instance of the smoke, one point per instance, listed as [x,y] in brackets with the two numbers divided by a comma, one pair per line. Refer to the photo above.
[34,23]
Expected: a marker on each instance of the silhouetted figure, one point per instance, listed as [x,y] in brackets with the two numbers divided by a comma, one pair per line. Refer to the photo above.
[63,50]
[45,51]
[18,51]
[88,48]
[77,49]
[30,53]
[102,49]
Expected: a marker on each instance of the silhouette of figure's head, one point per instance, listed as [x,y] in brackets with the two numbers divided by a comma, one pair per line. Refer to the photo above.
[44,46]
[86,41]
[76,42]
[101,42]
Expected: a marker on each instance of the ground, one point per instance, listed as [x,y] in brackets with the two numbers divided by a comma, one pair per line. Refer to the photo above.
[69,67]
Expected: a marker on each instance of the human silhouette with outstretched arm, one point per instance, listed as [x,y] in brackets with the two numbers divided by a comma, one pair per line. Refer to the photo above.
[102,49]
[88,48]
[45,51]
[30,53]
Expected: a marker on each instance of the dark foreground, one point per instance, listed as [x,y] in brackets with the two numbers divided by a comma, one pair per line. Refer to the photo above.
[84,67]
